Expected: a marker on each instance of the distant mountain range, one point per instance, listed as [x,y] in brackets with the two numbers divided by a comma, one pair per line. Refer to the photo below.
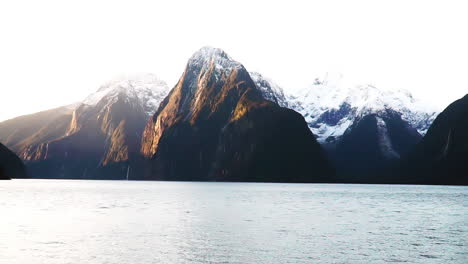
[330,107]
[365,130]
[223,123]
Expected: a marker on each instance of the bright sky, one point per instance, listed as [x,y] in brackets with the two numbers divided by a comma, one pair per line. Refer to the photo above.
[54,53]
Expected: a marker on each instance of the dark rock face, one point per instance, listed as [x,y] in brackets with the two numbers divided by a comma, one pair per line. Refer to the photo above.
[333,116]
[371,146]
[215,125]
[442,155]
[10,165]
[267,145]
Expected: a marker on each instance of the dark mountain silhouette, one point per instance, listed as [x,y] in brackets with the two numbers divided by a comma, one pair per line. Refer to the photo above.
[371,146]
[442,155]
[10,165]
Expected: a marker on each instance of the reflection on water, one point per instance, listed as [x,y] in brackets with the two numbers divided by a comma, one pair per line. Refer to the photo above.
[54,221]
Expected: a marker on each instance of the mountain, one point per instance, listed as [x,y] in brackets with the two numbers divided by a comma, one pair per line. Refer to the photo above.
[97,138]
[146,89]
[330,107]
[364,129]
[10,165]
[442,155]
[216,125]
[20,132]
[371,146]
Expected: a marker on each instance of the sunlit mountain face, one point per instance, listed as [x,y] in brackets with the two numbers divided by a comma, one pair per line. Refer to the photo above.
[96,138]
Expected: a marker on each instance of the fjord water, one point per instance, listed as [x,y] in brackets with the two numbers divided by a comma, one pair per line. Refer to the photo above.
[60,221]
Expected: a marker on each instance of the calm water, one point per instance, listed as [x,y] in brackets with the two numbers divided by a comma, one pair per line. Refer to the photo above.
[54,221]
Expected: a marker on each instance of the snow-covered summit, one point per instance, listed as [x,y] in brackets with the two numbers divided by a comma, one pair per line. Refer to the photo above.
[330,107]
[207,56]
[147,88]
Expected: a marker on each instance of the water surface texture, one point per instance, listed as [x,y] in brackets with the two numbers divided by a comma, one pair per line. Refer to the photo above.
[95,222]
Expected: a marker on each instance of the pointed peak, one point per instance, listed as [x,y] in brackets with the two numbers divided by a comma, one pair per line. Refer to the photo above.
[209,52]
[207,55]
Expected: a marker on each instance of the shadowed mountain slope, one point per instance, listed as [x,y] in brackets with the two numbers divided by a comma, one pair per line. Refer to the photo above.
[442,155]
[10,165]
[98,138]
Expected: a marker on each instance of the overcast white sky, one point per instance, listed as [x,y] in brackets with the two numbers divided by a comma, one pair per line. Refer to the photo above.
[54,53]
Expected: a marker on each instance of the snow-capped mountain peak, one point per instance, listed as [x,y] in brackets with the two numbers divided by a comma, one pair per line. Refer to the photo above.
[147,88]
[206,57]
[330,107]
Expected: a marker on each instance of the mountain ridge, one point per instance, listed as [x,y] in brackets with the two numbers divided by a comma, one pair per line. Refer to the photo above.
[330,107]
[102,131]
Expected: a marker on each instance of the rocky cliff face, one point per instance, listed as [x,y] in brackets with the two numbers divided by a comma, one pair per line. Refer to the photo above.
[10,165]
[216,125]
[442,155]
